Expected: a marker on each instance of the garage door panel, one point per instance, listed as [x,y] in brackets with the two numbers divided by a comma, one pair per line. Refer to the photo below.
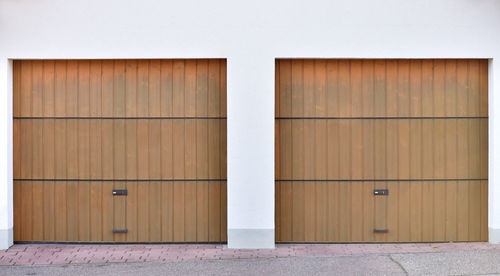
[120,88]
[411,87]
[395,149]
[352,212]
[87,211]
[123,149]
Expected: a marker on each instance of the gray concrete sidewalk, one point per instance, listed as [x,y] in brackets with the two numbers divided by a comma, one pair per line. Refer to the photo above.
[428,263]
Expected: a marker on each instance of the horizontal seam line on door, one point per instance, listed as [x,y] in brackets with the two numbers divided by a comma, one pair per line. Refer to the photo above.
[119,118]
[376,118]
[379,180]
[117,180]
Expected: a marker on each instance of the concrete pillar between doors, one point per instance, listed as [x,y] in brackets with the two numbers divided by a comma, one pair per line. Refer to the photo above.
[6,203]
[494,150]
[250,151]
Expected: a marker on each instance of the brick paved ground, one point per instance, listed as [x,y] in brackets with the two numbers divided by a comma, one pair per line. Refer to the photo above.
[40,254]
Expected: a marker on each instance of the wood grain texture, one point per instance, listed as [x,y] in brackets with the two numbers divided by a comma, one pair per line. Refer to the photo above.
[415,127]
[154,127]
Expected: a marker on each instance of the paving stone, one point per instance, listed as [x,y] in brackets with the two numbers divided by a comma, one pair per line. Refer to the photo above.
[28,254]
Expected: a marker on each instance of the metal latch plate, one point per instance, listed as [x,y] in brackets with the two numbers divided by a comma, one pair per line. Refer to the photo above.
[120,192]
[381,192]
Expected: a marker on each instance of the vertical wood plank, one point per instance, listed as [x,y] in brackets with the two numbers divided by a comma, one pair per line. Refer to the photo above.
[131,85]
[167,218]
[484,210]
[132,205]
[143,88]
[154,86]
[223,88]
[95,88]
[38,208]
[18,217]
[107,211]
[166,86]
[439,98]
[143,211]
[483,86]
[96,210]
[474,209]
[214,215]
[37,92]
[27,210]
[415,80]
[427,91]
[17,82]
[404,101]
[26,89]
[48,88]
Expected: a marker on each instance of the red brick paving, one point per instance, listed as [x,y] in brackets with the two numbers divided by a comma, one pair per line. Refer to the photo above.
[43,254]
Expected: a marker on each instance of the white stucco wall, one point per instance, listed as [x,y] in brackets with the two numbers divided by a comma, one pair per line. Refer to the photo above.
[250,34]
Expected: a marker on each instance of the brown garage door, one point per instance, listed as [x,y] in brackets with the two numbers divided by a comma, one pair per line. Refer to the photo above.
[381,150]
[87,131]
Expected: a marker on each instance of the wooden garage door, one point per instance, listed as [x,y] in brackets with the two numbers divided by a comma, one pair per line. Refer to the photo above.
[414,130]
[154,128]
